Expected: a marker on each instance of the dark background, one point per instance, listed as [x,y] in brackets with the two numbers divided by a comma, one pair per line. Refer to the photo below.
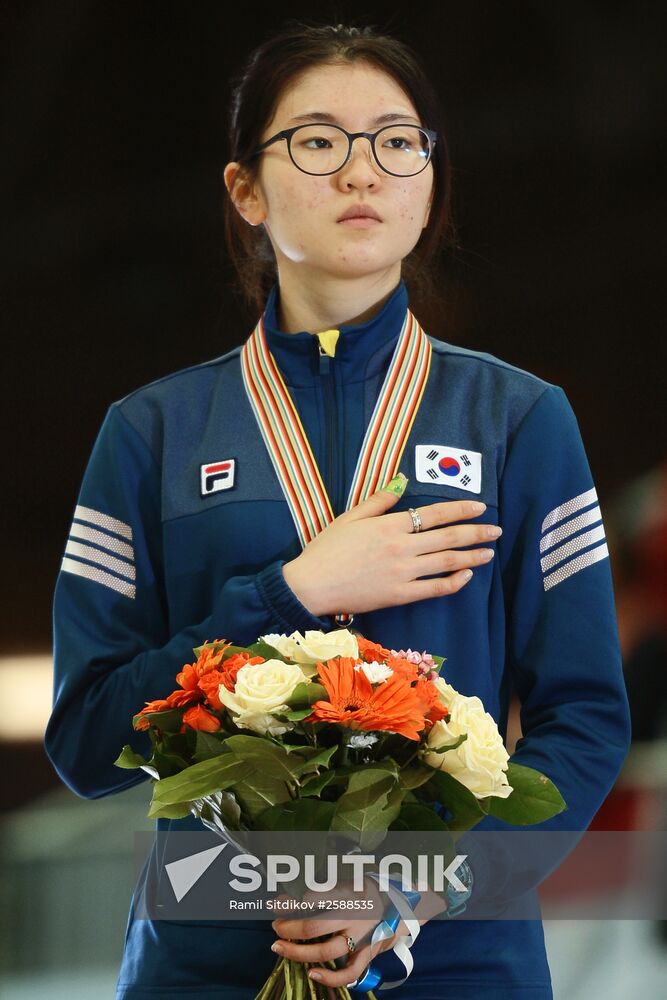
[114,273]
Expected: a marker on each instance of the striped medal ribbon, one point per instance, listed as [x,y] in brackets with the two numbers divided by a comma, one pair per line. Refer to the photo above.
[288,445]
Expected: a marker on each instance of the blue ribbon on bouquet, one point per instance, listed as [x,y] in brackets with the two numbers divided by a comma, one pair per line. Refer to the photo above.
[403,902]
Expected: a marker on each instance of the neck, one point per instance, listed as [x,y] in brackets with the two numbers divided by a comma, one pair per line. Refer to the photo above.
[316,305]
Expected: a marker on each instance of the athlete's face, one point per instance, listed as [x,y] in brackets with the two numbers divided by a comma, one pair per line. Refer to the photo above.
[302,213]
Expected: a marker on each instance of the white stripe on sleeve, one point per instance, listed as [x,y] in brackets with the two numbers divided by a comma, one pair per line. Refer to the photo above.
[574,545]
[99,576]
[570,527]
[575,565]
[103,521]
[568,508]
[99,538]
[101,558]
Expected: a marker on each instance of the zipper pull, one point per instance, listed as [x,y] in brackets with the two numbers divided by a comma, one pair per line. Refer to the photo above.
[325,362]
[327,341]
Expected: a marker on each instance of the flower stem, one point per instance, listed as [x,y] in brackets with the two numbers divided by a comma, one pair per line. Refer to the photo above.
[268,987]
[311,984]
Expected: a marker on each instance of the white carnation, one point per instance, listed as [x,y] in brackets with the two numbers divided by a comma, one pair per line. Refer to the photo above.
[360,740]
[376,672]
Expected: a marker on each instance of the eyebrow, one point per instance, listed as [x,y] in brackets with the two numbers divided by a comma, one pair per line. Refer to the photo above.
[324,116]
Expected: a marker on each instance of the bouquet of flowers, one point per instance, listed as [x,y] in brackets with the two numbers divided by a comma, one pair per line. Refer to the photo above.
[328,732]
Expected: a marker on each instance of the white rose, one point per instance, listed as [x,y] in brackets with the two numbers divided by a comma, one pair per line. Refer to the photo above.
[480,762]
[262,723]
[317,646]
[286,645]
[447,693]
[262,687]
[376,672]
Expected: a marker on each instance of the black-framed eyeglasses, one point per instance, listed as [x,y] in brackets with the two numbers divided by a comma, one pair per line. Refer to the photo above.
[320,148]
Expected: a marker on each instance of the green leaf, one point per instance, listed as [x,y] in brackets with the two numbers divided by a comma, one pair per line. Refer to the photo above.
[313,761]
[201,779]
[129,758]
[417,818]
[465,807]
[260,791]
[176,810]
[260,648]
[306,693]
[315,785]
[300,814]
[392,806]
[168,764]
[361,807]
[295,714]
[534,799]
[449,746]
[265,756]
[208,746]
[414,775]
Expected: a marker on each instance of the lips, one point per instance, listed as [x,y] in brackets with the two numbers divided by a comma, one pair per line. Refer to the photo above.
[359,212]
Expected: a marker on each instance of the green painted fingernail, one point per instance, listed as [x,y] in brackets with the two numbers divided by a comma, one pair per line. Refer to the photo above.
[396,485]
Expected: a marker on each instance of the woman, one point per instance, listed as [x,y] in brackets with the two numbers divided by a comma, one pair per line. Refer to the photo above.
[190,523]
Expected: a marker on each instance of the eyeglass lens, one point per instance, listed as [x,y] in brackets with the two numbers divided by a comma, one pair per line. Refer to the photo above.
[323,149]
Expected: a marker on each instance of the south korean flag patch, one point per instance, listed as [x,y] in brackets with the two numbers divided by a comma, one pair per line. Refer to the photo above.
[446,466]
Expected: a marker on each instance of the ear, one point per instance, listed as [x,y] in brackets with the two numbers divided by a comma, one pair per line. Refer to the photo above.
[245,194]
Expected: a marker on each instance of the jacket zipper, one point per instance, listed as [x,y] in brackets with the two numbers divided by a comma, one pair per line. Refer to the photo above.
[327,373]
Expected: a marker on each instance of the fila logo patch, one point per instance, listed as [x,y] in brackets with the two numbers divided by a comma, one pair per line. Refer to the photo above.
[439,463]
[217,476]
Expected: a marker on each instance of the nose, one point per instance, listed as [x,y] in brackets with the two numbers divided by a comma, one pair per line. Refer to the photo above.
[361,170]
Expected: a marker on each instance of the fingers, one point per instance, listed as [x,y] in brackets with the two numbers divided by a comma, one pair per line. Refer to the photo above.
[319,951]
[446,512]
[442,586]
[451,560]
[455,537]
[374,505]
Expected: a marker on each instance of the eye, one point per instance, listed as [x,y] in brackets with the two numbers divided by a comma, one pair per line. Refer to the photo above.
[398,142]
[316,142]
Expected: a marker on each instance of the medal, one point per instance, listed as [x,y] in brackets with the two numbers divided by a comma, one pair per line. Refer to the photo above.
[288,446]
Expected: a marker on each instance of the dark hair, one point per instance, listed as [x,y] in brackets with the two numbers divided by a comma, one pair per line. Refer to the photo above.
[256,93]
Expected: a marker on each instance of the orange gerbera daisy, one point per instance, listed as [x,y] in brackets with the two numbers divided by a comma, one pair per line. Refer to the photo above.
[393,706]
[371,651]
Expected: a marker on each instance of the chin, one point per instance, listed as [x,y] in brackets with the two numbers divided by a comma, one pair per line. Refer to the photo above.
[353,264]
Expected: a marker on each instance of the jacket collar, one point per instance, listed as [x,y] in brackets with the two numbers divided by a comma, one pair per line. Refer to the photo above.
[362,350]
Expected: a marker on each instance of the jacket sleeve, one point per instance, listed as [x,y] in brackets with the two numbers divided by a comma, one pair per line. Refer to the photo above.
[113,648]
[562,649]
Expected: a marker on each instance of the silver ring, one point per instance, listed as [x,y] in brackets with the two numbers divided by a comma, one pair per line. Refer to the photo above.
[416,520]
